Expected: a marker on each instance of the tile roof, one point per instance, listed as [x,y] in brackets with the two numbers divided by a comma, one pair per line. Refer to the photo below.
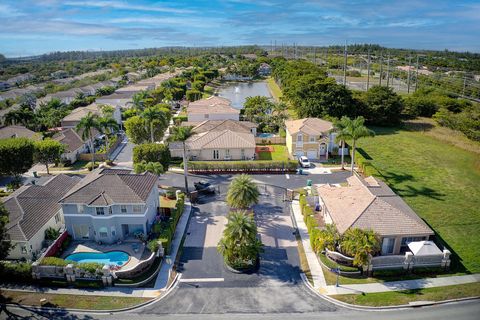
[106,189]
[32,206]
[212,104]
[219,125]
[310,126]
[70,138]
[221,140]
[78,113]
[18,132]
[370,204]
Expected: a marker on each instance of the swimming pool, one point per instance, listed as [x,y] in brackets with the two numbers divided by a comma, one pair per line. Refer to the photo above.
[266,135]
[112,258]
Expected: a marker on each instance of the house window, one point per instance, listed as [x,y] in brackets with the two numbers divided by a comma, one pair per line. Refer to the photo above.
[216,154]
[137,209]
[114,232]
[103,232]
[123,208]
[242,152]
[57,217]
[299,138]
[206,116]
[406,241]
[110,210]
[312,138]
[24,249]
[100,211]
[388,245]
[227,153]
[80,208]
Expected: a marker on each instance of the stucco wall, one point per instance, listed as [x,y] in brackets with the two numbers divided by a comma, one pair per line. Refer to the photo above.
[212,116]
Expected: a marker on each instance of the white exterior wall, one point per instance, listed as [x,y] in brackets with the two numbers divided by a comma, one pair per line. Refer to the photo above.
[235,154]
[199,117]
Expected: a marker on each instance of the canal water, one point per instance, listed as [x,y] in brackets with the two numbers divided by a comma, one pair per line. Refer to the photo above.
[237,92]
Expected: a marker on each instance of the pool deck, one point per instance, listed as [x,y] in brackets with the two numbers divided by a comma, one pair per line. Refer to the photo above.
[90,246]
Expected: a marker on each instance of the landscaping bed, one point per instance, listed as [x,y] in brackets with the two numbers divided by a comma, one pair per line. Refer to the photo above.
[253,167]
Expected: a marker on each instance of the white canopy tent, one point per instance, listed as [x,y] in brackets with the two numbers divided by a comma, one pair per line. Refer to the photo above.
[424,248]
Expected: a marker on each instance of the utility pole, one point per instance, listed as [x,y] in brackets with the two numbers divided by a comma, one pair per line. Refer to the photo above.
[416,76]
[388,69]
[314,56]
[408,76]
[345,64]
[381,69]
[368,70]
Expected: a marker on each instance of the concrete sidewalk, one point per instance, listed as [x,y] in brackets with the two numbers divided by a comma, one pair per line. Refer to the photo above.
[313,263]
[402,285]
[160,283]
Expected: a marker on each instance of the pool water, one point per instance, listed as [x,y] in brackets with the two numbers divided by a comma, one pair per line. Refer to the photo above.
[112,258]
[266,135]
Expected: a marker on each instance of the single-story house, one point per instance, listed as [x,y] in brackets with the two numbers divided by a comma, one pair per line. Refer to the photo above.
[33,209]
[212,108]
[108,207]
[311,137]
[217,145]
[77,114]
[136,87]
[73,142]
[122,100]
[369,204]
[219,125]
[18,132]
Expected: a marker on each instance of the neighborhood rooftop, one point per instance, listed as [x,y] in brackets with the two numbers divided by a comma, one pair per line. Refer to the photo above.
[310,126]
[218,125]
[32,206]
[212,104]
[100,189]
[18,132]
[221,139]
[370,204]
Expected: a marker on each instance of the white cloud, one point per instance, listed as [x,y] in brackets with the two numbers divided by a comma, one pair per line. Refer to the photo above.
[8,11]
[124,6]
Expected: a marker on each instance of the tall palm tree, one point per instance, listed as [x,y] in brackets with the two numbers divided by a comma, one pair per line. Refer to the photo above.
[182,134]
[340,137]
[87,124]
[359,244]
[355,129]
[242,193]
[239,244]
[153,114]
[107,125]
[22,116]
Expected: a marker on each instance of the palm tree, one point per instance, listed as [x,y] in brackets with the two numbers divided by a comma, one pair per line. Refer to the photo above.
[182,134]
[107,125]
[360,244]
[87,124]
[239,244]
[242,193]
[152,167]
[355,129]
[153,114]
[22,116]
[339,128]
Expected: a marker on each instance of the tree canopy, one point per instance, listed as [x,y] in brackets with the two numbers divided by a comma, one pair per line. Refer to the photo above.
[48,151]
[152,152]
[16,156]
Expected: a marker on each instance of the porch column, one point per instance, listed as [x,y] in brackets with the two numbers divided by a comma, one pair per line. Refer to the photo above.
[327,150]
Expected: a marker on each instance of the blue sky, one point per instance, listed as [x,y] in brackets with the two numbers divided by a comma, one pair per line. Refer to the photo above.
[40,26]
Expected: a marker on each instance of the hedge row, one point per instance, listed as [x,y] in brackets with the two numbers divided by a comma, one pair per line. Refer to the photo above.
[91,267]
[15,272]
[243,166]
[166,230]
[309,219]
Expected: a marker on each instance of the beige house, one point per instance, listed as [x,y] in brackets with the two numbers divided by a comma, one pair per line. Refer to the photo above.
[32,209]
[218,125]
[19,132]
[77,114]
[212,108]
[371,205]
[311,137]
[217,145]
[73,142]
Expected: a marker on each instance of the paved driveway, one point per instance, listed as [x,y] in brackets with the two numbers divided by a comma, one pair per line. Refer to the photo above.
[125,156]
[208,287]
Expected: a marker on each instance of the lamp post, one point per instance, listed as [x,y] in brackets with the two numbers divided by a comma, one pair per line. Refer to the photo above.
[337,271]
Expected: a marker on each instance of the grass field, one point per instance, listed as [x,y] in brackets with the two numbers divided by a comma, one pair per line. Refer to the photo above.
[407,296]
[274,89]
[279,153]
[439,181]
[68,300]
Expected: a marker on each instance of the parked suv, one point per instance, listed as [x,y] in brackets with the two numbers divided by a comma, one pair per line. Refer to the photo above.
[304,162]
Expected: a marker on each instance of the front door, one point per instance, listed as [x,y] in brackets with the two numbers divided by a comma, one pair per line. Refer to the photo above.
[323,149]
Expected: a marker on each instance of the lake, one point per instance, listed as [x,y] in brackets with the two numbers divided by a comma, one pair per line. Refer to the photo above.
[237,92]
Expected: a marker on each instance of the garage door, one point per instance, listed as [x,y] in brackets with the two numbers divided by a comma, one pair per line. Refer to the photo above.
[299,153]
[312,154]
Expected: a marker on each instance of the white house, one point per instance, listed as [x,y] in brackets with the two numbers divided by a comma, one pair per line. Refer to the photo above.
[212,108]
[32,210]
[73,142]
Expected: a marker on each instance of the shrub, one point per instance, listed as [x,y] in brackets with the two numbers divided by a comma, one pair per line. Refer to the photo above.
[15,272]
[165,244]
[153,245]
[51,233]
[243,166]
[91,267]
[90,166]
[54,261]
[152,152]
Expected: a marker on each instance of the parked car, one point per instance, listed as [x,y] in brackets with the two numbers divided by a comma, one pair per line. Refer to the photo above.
[304,162]
[204,187]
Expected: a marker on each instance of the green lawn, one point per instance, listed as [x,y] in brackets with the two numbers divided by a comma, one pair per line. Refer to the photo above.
[75,166]
[68,300]
[280,153]
[274,89]
[406,296]
[439,181]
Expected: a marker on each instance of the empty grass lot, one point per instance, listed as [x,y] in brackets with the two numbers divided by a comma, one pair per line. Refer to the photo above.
[440,181]
[279,153]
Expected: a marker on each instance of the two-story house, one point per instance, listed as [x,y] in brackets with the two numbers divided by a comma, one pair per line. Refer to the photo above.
[108,207]
[212,108]
[311,137]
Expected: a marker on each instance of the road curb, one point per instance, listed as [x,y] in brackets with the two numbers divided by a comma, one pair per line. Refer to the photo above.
[383,308]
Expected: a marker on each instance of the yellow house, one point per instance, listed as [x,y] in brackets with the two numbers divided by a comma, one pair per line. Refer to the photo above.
[310,137]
